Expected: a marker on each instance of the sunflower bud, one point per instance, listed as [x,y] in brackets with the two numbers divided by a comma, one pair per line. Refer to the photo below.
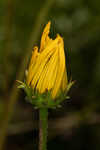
[47,70]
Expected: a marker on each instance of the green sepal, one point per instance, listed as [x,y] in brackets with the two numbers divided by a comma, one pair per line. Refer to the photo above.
[44,100]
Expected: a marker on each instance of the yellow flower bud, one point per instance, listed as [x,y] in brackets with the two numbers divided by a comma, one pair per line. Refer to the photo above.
[47,69]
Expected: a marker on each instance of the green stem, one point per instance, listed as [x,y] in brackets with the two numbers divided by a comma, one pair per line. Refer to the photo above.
[43,128]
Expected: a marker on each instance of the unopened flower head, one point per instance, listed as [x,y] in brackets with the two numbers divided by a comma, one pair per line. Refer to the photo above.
[47,69]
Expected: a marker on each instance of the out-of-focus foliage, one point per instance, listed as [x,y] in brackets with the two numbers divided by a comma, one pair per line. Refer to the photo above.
[78,22]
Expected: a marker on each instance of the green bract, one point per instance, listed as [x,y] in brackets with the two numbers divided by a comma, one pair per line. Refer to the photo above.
[45,99]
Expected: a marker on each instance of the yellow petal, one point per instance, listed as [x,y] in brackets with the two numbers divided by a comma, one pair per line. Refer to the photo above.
[45,40]
[41,79]
[47,83]
[32,63]
[64,82]
[61,65]
[41,61]
[39,67]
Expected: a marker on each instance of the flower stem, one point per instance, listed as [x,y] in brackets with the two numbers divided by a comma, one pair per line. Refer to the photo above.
[43,125]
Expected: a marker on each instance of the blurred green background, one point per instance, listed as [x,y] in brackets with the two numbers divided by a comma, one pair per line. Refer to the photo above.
[77,124]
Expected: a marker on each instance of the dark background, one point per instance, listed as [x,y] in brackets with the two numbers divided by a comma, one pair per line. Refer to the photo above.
[76,125]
